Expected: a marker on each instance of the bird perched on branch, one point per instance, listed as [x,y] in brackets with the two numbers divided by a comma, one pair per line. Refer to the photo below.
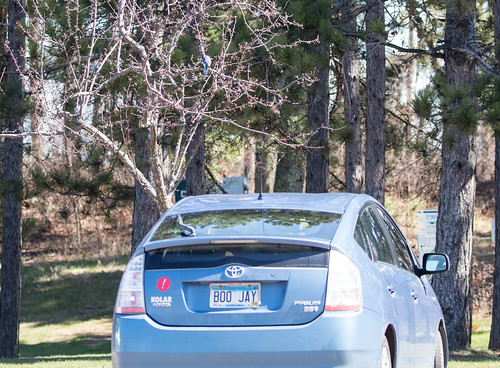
[207,63]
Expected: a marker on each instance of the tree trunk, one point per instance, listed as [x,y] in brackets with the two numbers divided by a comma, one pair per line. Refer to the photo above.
[457,187]
[251,163]
[375,105]
[318,122]
[454,237]
[10,296]
[352,106]
[494,343]
[195,171]
[267,161]
[289,173]
[35,86]
[146,211]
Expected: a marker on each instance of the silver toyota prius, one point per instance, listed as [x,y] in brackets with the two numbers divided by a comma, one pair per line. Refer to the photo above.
[278,280]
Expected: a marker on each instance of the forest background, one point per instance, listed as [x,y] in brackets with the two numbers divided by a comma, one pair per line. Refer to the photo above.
[107,105]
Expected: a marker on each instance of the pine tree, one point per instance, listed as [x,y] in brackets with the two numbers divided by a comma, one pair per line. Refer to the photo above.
[375,103]
[10,297]
[494,342]
[352,103]
[318,24]
[457,186]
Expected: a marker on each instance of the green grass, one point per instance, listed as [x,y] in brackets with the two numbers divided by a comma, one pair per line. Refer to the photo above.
[66,313]
[481,334]
[60,361]
[478,356]
[67,308]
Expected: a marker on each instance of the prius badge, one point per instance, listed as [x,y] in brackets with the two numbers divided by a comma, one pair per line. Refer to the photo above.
[234,272]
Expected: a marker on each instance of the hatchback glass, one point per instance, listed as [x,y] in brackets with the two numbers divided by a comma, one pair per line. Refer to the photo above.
[270,222]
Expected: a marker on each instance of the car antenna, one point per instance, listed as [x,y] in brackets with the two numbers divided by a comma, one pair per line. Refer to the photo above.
[260,198]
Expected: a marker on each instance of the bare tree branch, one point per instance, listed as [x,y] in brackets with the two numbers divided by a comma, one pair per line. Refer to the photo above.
[141,64]
[434,52]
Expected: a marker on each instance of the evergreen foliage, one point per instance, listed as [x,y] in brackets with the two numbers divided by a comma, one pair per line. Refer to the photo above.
[93,179]
[8,109]
[424,103]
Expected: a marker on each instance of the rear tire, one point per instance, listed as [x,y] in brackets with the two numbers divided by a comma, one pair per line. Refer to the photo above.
[439,353]
[385,355]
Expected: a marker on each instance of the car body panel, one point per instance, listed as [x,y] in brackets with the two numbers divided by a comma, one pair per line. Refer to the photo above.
[404,311]
[325,342]
[426,319]
[323,202]
[204,240]
[285,294]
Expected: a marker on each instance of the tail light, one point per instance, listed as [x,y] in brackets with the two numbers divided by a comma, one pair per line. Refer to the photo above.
[343,289]
[130,299]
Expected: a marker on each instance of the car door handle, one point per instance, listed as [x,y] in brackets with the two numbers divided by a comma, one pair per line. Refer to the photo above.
[391,290]
[414,296]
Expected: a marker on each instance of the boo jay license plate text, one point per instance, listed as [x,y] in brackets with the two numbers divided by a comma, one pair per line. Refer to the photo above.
[235,295]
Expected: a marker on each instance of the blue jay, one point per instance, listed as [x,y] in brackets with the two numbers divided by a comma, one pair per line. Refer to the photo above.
[207,63]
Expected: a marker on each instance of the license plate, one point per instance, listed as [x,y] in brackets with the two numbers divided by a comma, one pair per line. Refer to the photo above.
[235,295]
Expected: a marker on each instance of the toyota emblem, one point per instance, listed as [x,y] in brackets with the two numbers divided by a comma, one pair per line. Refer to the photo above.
[234,272]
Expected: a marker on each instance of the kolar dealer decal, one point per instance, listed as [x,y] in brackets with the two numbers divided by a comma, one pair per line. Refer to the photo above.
[163,284]
[161,301]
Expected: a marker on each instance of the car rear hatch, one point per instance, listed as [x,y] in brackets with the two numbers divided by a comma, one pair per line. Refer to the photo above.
[245,267]
[235,283]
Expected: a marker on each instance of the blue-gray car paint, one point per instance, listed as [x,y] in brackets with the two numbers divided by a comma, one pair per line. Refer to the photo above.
[409,311]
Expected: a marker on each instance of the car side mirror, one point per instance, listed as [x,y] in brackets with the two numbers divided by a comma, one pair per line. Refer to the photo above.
[434,263]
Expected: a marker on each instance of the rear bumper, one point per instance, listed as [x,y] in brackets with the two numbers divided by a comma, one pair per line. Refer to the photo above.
[332,340]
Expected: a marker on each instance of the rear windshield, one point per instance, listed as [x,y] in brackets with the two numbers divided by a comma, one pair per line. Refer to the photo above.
[251,254]
[274,222]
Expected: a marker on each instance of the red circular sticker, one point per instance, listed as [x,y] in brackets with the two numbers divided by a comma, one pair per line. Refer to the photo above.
[163,283]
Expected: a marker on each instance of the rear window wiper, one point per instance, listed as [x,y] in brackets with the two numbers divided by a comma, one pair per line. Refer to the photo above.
[186,230]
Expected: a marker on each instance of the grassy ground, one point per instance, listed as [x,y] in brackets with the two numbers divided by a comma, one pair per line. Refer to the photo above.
[478,356]
[66,313]
[67,308]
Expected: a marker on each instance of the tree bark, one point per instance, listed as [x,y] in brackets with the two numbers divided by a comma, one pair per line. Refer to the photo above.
[10,296]
[251,162]
[352,105]
[375,104]
[457,187]
[267,162]
[318,122]
[494,342]
[195,171]
[35,87]
[146,211]
[289,173]
[454,237]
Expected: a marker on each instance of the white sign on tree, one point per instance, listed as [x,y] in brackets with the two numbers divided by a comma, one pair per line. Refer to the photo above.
[426,232]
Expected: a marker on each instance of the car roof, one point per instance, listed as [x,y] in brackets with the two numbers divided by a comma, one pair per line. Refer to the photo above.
[323,202]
